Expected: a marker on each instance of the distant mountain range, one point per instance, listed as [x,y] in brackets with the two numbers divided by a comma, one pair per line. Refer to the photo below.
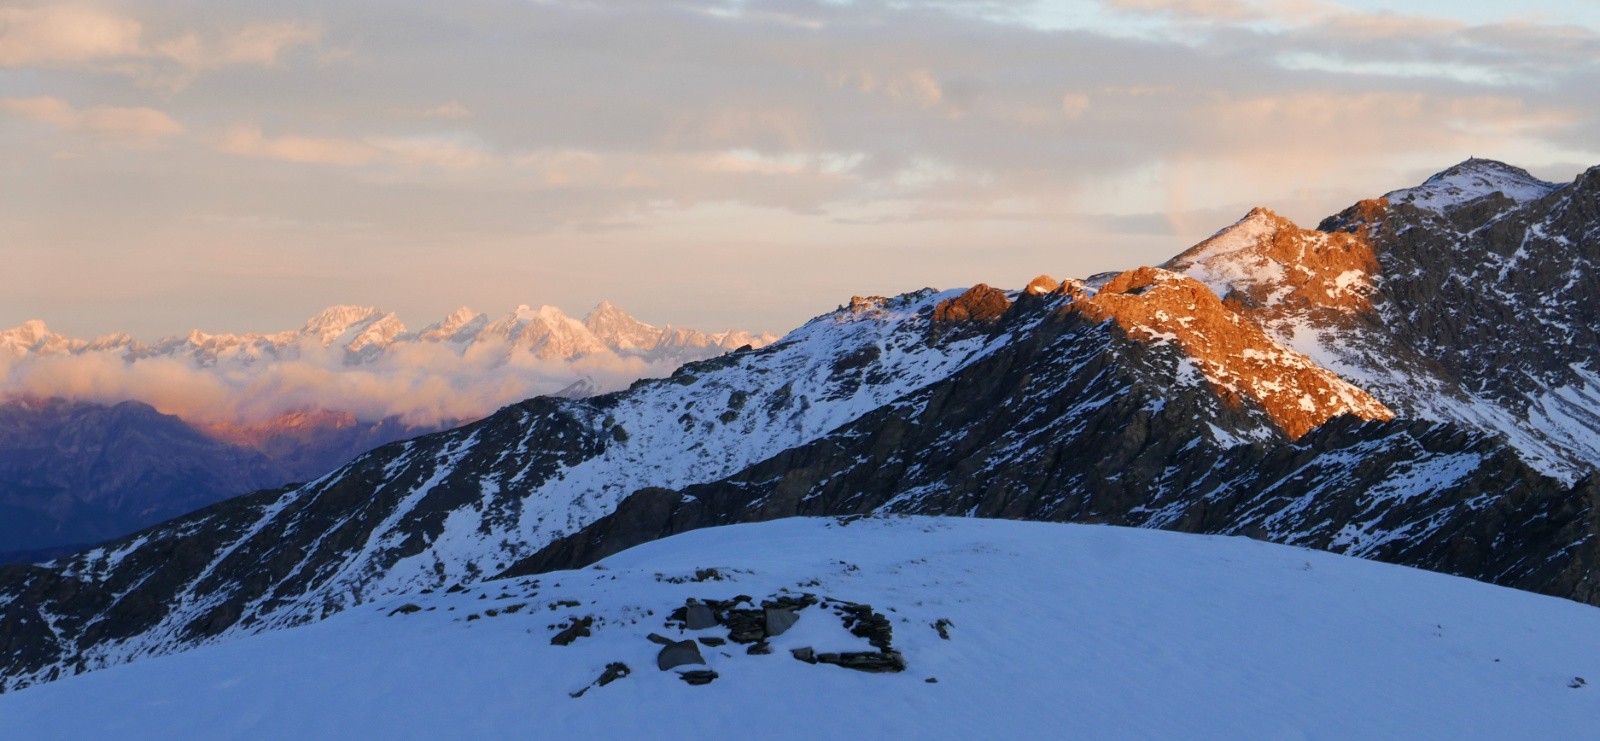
[365,334]
[87,454]
[1414,382]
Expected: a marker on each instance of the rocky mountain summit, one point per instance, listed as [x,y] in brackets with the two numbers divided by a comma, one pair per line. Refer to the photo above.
[1473,298]
[1292,385]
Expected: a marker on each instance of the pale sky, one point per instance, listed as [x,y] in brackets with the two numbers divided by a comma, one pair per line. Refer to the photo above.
[171,164]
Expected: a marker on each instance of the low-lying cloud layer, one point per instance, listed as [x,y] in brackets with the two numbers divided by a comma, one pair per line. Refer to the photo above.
[424,386]
[360,362]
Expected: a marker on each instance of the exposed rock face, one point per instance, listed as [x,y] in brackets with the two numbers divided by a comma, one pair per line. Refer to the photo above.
[1267,264]
[1042,285]
[1234,354]
[979,304]
[1473,298]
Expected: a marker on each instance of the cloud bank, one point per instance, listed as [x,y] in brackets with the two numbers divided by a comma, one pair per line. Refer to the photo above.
[421,385]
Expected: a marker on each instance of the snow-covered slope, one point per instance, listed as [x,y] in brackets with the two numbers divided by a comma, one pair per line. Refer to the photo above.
[1052,630]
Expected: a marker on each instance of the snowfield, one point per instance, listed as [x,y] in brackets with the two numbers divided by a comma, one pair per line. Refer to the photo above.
[1054,631]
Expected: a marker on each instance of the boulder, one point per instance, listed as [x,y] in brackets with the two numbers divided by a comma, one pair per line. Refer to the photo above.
[779,620]
[698,616]
[679,653]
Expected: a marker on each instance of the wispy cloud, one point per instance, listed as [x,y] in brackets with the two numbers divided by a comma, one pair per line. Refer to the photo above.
[65,35]
[85,37]
[131,126]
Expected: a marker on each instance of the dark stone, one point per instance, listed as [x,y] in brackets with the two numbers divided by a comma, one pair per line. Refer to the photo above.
[679,653]
[405,609]
[659,639]
[711,641]
[576,628]
[932,680]
[877,662]
[745,626]
[759,649]
[943,625]
[780,620]
[807,654]
[614,671]
[698,677]
[862,622]
[698,616]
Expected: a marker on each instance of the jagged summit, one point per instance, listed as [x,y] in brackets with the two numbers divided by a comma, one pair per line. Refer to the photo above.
[1266,262]
[620,330]
[1470,180]
[334,321]
[461,326]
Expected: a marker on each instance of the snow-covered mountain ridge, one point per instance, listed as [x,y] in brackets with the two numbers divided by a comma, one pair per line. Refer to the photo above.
[1473,298]
[1005,629]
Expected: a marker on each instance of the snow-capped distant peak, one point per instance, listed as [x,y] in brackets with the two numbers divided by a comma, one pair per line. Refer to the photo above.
[460,326]
[619,330]
[379,333]
[334,321]
[30,336]
[1469,181]
[28,332]
[460,317]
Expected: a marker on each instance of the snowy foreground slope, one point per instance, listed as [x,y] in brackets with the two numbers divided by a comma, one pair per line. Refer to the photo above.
[1053,630]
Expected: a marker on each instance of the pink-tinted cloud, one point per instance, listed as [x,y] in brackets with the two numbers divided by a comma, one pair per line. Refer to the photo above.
[136,125]
[65,34]
[423,384]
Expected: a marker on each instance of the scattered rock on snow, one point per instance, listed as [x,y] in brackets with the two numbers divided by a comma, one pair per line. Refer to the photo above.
[679,653]
[613,672]
[877,662]
[779,620]
[698,616]
[577,628]
[698,677]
